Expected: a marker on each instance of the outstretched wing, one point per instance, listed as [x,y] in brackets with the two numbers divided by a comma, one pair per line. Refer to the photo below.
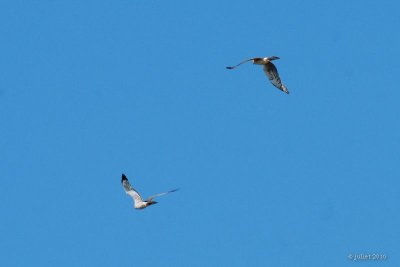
[272,73]
[232,67]
[130,190]
[161,194]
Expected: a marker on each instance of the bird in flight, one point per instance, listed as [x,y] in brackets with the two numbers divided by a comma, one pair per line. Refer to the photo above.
[139,202]
[269,69]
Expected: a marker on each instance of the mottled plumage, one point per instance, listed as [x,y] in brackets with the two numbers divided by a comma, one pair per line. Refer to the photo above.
[269,69]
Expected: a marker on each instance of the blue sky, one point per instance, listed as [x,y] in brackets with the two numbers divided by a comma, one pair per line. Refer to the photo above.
[92,90]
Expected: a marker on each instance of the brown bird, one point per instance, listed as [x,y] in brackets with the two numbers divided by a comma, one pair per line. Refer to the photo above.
[269,69]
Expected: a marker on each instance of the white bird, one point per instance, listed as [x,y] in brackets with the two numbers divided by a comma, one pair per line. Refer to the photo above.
[269,69]
[139,202]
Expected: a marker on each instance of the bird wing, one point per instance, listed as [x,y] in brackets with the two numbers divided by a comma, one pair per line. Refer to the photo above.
[272,74]
[232,67]
[130,190]
[161,194]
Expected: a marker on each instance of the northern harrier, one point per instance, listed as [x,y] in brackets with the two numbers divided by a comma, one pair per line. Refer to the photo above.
[139,202]
[269,69]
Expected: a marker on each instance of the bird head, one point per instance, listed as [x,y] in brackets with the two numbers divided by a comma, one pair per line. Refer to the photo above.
[273,58]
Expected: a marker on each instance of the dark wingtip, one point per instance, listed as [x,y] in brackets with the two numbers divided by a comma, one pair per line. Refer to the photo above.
[123,178]
[174,190]
[229,68]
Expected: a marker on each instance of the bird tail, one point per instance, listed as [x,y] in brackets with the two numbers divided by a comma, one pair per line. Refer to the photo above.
[284,89]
